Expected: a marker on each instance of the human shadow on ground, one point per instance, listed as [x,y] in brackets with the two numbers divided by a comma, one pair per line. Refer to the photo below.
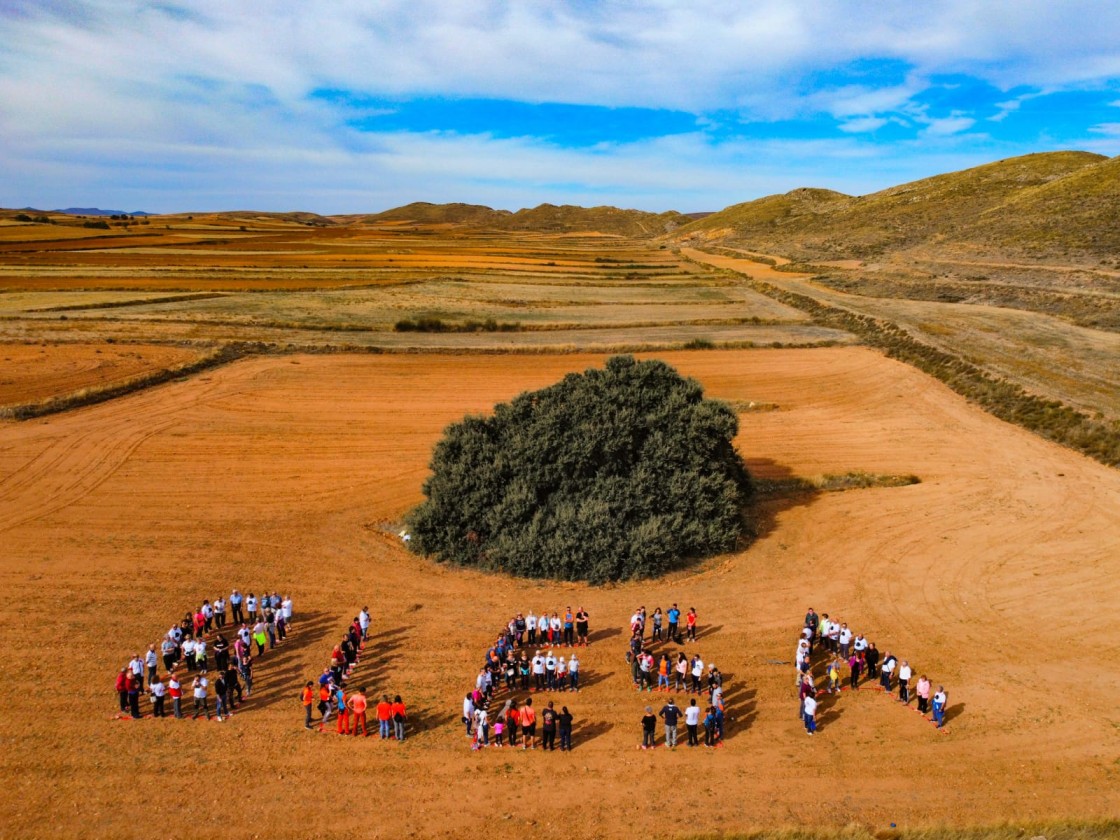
[776,489]
[583,733]
[954,711]
[604,634]
[423,719]
[739,708]
[828,709]
[703,632]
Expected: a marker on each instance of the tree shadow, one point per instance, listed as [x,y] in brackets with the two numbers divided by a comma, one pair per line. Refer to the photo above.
[776,489]
[583,733]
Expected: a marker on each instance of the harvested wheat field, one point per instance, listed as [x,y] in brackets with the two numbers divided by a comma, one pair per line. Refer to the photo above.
[33,372]
[996,575]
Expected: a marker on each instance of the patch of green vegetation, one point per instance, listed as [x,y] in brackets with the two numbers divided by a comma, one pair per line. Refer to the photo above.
[615,473]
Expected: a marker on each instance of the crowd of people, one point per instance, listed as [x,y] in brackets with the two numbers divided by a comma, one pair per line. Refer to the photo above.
[196,648]
[849,657]
[508,666]
[674,671]
[330,694]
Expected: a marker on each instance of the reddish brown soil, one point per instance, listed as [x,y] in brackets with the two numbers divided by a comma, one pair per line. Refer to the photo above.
[997,575]
[32,372]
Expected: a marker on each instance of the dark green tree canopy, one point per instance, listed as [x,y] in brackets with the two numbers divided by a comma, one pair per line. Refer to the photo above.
[618,473]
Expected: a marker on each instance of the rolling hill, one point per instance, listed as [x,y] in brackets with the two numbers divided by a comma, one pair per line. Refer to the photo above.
[1009,204]
[549,218]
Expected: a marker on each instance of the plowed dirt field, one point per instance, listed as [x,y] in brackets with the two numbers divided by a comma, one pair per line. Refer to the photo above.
[997,575]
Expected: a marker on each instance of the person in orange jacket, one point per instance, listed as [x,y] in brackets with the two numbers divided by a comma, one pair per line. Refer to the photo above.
[384,715]
[307,697]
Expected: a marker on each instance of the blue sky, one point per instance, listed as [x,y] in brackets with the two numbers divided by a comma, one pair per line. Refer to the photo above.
[343,106]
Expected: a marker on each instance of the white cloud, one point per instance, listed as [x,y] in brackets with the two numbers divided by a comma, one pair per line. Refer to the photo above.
[209,102]
[1108,129]
[859,125]
[945,126]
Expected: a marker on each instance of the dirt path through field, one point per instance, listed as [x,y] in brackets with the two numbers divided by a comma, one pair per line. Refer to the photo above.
[996,575]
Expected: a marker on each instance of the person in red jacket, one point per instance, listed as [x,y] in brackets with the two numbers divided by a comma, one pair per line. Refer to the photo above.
[384,715]
[122,689]
[398,718]
[690,625]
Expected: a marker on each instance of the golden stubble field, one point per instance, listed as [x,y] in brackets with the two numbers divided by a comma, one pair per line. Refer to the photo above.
[997,575]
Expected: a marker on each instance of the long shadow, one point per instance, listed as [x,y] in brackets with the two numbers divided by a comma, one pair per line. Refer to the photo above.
[704,632]
[590,678]
[583,733]
[776,489]
[739,709]
[603,635]
[828,709]
[424,719]
[954,711]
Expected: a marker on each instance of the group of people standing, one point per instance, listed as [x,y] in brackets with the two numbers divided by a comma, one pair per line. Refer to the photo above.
[844,648]
[507,663]
[198,642]
[329,693]
[674,671]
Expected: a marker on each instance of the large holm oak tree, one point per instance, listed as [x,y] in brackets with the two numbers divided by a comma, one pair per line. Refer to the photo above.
[623,472]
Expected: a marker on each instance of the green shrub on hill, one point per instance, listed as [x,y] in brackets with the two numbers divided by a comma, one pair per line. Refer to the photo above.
[611,474]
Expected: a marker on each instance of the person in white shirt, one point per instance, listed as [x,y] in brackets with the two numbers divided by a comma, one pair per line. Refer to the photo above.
[251,606]
[136,665]
[200,702]
[826,624]
[904,673]
[188,653]
[860,644]
[363,621]
[207,616]
[151,661]
[158,691]
[845,640]
[692,722]
[220,612]
[286,607]
[483,724]
[940,699]
[468,713]
[573,672]
[809,709]
[562,674]
[887,671]
[531,626]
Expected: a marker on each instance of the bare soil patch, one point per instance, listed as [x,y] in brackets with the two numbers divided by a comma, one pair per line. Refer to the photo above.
[996,575]
[32,372]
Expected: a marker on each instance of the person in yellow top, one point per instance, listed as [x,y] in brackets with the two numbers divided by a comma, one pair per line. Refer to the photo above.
[307,697]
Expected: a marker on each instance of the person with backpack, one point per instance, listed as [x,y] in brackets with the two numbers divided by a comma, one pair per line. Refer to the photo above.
[710,728]
[887,672]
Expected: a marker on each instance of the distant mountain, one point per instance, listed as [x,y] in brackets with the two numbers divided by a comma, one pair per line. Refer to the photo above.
[97,211]
[545,218]
[997,205]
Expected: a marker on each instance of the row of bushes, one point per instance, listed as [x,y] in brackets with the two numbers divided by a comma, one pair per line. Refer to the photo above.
[1052,419]
[437,325]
